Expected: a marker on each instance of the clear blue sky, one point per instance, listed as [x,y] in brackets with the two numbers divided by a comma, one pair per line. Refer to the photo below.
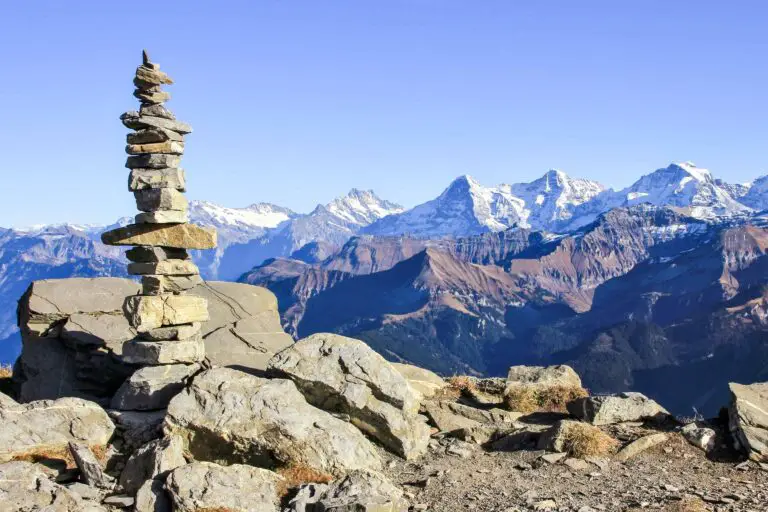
[295,102]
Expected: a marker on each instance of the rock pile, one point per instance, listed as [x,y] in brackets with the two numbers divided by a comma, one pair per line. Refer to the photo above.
[166,318]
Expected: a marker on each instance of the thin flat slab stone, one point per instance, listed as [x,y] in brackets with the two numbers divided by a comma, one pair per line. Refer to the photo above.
[153,254]
[143,179]
[159,284]
[152,97]
[137,122]
[172,332]
[171,147]
[152,76]
[181,236]
[164,352]
[157,111]
[154,199]
[147,312]
[152,161]
[150,135]
[164,268]
[162,217]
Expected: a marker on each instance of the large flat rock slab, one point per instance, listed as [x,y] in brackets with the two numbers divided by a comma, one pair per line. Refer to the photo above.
[181,236]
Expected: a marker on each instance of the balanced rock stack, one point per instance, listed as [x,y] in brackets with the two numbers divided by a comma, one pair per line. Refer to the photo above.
[166,319]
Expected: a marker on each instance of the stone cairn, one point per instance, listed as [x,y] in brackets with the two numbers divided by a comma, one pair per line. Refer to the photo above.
[166,318]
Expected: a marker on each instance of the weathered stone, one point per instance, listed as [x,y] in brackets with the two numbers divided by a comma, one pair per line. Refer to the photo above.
[164,352]
[448,415]
[699,436]
[608,409]
[142,179]
[151,135]
[152,76]
[136,122]
[154,254]
[146,312]
[168,147]
[152,387]
[156,110]
[51,424]
[91,472]
[160,284]
[346,376]
[119,501]
[153,199]
[748,418]
[162,217]
[230,416]
[151,497]
[25,487]
[544,376]
[152,97]
[164,268]
[173,332]
[137,428]
[182,236]
[207,486]
[640,445]
[360,490]
[152,161]
[153,460]
[425,382]
[107,330]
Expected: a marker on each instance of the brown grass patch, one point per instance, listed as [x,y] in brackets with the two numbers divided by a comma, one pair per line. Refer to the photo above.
[59,455]
[585,440]
[462,383]
[299,474]
[6,371]
[527,398]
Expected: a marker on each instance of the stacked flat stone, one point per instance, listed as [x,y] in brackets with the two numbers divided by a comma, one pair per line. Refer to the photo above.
[166,318]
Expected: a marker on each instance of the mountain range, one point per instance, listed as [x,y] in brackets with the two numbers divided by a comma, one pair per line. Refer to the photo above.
[479,277]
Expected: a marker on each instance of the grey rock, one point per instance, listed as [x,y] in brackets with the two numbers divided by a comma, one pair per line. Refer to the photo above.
[700,436]
[24,487]
[164,352]
[230,416]
[89,330]
[138,122]
[181,236]
[152,199]
[152,161]
[358,491]
[156,110]
[91,472]
[173,332]
[160,284]
[542,376]
[638,446]
[151,97]
[119,501]
[748,418]
[51,424]
[164,268]
[204,485]
[150,135]
[137,428]
[162,217]
[423,381]
[151,497]
[346,376]
[152,461]
[154,254]
[147,312]
[169,147]
[152,387]
[448,415]
[144,179]
[152,76]
[621,407]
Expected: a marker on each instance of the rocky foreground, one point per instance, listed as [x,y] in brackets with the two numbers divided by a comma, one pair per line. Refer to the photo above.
[327,424]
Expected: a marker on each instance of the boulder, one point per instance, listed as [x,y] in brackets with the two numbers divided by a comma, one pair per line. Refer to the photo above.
[51,425]
[346,376]
[748,418]
[152,387]
[208,486]
[91,472]
[231,417]
[151,497]
[25,487]
[363,491]
[542,376]
[618,408]
[137,428]
[423,381]
[699,436]
[542,388]
[84,358]
[153,460]
[448,416]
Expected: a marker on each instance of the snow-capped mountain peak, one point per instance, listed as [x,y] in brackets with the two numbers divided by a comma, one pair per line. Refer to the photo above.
[361,207]
[259,215]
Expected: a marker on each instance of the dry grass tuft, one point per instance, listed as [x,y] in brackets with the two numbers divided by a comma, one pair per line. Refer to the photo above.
[585,440]
[527,398]
[6,371]
[299,474]
[59,455]
[462,383]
